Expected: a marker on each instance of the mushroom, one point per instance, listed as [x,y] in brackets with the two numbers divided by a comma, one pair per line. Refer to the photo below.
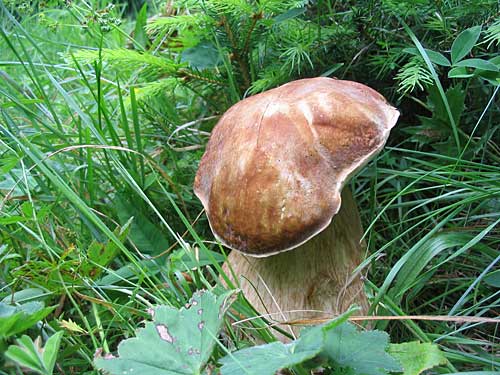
[271,180]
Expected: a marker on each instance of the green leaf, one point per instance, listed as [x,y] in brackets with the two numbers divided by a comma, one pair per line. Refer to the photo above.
[101,254]
[24,357]
[435,57]
[464,43]
[292,13]
[16,319]
[141,20]
[362,352]
[5,220]
[144,233]
[459,72]
[478,64]
[24,295]
[202,56]
[175,342]
[417,357]
[49,355]
[269,358]
[493,279]
[129,272]
[181,260]
[429,250]
[264,359]
[31,355]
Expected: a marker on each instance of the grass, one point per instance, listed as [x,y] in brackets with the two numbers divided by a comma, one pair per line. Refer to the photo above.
[85,164]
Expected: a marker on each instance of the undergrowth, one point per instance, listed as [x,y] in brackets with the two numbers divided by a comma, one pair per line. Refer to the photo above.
[104,114]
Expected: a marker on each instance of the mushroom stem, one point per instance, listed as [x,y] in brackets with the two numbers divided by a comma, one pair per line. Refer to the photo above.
[318,275]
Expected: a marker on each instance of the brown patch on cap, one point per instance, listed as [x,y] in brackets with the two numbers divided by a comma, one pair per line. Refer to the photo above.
[276,162]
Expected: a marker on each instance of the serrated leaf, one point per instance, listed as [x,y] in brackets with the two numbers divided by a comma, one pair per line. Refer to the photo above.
[269,358]
[175,342]
[362,352]
[416,357]
[264,359]
[71,326]
[464,43]
[478,64]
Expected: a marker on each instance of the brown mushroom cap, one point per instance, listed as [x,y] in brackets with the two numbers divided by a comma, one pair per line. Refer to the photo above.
[273,170]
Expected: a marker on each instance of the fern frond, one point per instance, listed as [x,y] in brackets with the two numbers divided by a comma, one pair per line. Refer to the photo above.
[238,8]
[296,56]
[414,74]
[155,89]
[167,25]
[280,6]
[297,43]
[268,78]
[387,59]
[126,60]
[493,33]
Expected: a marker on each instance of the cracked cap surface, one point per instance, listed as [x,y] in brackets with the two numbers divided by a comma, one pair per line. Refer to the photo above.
[276,162]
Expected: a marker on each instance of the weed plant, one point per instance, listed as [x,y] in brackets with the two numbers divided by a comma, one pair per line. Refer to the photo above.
[104,114]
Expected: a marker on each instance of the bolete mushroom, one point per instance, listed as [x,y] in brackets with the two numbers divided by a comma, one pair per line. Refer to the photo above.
[271,181]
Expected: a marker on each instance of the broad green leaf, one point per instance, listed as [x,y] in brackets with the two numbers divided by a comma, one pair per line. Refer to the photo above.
[144,233]
[24,358]
[459,72]
[416,357]
[31,355]
[464,43]
[435,57]
[264,359]
[495,60]
[478,64]
[269,358]
[363,353]
[175,342]
[202,56]
[24,295]
[312,338]
[289,14]
[49,354]
[493,279]
[16,319]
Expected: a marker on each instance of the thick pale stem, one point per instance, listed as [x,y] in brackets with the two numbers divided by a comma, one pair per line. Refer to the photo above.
[315,276]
